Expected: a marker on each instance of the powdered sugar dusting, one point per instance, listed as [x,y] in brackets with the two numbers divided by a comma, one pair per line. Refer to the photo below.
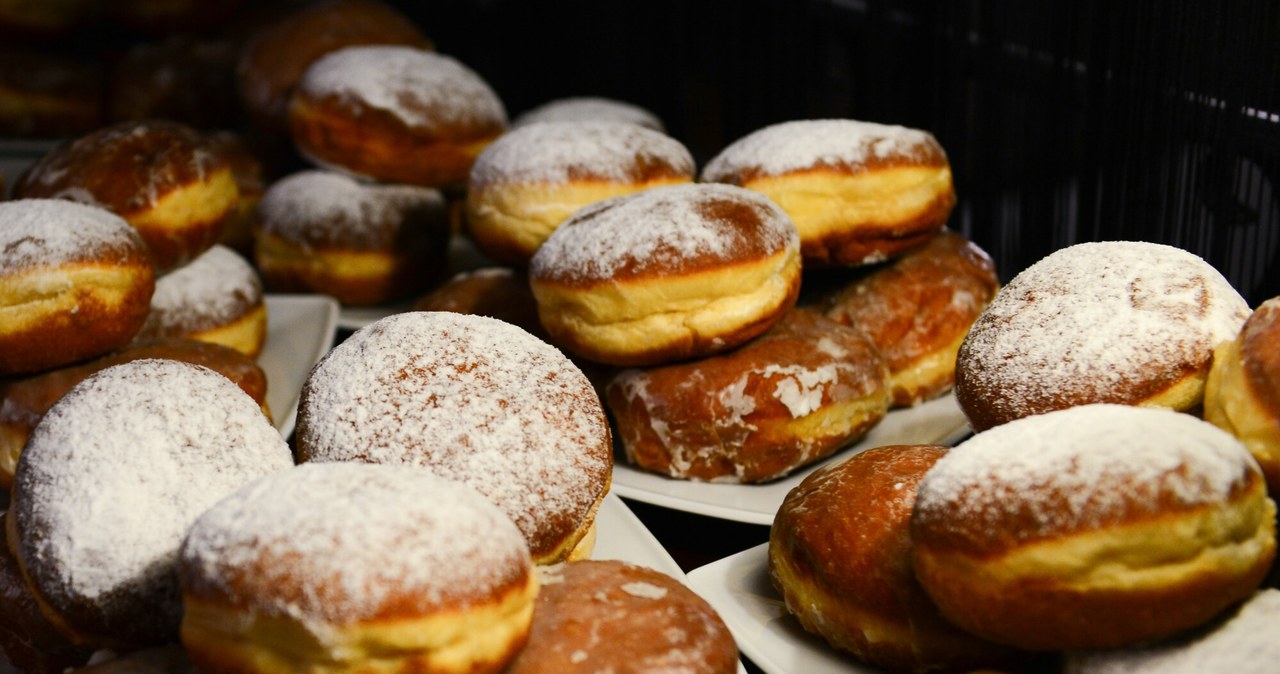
[352,540]
[211,290]
[327,206]
[644,590]
[802,144]
[590,109]
[560,152]
[50,232]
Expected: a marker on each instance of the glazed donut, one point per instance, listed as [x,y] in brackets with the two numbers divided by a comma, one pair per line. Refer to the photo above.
[794,395]
[614,616]
[111,479]
[497,292]
[361,243]
[47,94]
[396,114]
[840,556]
[476,400]
[1122,322]
[75,282]
[1097,526]
[666,274]
[1242,393]
[162,177]
[858,192]
[348,567]
[533,178]
[249,173]
[25,400]
[590,109]
[917,310]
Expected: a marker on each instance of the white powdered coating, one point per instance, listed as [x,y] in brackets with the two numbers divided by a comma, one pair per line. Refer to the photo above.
[1078,467]
[659,227]
[212,289]
[475,399]
[561,152]
[50,232]
[424,89]
[1246,642]
[120,467]
[590,109]
[644,590]
[331,206]
[801,389]
[803,144]
[349,540]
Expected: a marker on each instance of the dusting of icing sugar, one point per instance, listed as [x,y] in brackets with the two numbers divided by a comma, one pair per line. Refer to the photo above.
[563,151]
[801,389]
[589,109]
[327,206]
[351,541]
[1083,466]
[802,144]
[424,89]
[49,232]
[211,290]
[644,590]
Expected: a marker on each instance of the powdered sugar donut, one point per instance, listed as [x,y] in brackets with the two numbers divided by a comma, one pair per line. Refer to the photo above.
[1242,393]
[589,109]
[216,298]
[476,400]
[341,566]
[1117,322]
[1096,526]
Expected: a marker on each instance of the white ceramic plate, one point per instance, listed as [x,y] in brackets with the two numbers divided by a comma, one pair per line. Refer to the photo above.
[620,535]
[937,421]
[300,330]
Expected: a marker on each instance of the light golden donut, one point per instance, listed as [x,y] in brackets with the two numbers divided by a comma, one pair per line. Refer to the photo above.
[1242,394]
[589,109]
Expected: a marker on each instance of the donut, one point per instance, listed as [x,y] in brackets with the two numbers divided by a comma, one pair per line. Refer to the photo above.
[110,481]
[1123,322]
[395,113]
[215,298]
[1097,526]
[48,94]
[859,192]
[917,310]
[1242,393]
[476,400]
[796,394]
[666,274]
[163,177]
[1242,642]
[249,172]
[840,556]
[75,282]
[360,243]
[350,567]
[534,177]
[25,400]
[589,109]
[496,292]
[615,616]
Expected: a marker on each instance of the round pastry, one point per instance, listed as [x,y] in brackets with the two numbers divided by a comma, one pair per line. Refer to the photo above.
[249,173]
[918,309]
[361,243]
[347,567]
[1097,526]
[25,400]
[476,400]
[669,273]
[840,556]
[589,109]
[794,395]
[216,298]
[75,282]
[497,292]
[1242,393]
[274,59]
[163,177]
[111,479]
[858,192]
[395,113]
[1121,322]
[533,178]
[47,94]
[614,616]
[1241,642]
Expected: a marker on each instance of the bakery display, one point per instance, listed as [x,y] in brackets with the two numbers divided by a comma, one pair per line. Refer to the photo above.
[1242,392]
[666,274]
[859,192]
[534,177]
[589,109]
[1097,526]
[350,567]
[76,283]
[1102,322]
[794,395]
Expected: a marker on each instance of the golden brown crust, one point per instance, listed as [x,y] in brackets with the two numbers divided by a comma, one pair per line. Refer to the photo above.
[1260,351]
[1242,393]
[498,292]
[27,639]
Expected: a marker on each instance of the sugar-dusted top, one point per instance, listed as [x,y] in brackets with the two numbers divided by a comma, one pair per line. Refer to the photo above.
[1079,469]
[423,88]
[676,226]
[589,108]
[51,232]
[330,208]
[557,152]
[116,472]
[213,289]
[347,542]
[475,399]
[806,144]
